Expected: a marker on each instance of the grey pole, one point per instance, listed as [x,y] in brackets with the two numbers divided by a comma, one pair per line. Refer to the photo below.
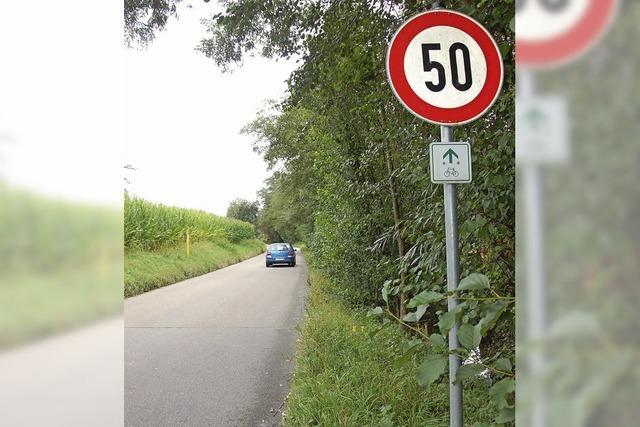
[453,277]
[536,285]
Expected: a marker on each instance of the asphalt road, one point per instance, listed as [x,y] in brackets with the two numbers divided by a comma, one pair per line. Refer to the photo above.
[215,350]
[73,379]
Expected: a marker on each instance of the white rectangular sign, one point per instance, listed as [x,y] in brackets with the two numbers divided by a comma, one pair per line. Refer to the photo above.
[542,129]
[450,162]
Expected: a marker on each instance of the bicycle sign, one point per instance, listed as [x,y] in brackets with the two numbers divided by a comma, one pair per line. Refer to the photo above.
[450,162]
[444,67]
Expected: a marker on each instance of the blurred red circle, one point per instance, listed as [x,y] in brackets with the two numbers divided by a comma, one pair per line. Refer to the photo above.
[569,44]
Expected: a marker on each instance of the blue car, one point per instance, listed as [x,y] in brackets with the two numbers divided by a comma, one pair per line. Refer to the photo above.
[281,253]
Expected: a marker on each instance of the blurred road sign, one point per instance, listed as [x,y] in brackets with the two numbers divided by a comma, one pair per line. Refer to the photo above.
[444,67]
[553,32]
[450,162]
[542,133]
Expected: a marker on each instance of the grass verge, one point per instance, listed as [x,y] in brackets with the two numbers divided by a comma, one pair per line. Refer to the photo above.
[146,270]
[347,373]
[33,306]
[60,265]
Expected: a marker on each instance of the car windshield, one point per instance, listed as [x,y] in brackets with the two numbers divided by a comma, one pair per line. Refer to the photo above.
[279,247]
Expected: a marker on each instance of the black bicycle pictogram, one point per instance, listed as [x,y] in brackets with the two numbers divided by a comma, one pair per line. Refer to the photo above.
[451,172]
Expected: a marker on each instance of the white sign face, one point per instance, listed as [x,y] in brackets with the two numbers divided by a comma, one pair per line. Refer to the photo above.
[542,130]
[450,162]
[457,68]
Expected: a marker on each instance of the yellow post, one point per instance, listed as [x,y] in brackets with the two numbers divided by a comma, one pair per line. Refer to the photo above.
[187,243]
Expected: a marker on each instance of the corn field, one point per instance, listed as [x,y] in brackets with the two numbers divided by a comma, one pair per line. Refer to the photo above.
[150,226]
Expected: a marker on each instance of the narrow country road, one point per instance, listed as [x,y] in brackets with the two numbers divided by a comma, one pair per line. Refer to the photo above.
[215,350]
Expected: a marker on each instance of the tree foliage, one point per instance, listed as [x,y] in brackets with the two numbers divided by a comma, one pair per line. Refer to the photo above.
[144,18]
[244,210]
[285,215]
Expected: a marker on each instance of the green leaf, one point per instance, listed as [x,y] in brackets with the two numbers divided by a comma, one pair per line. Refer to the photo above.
[411,344]
[446,322]
[385,291]
[430,370]
[506,415]
[503,364]
[425,297]
[420,311]
[468,371]
[410,317]
[469,336]
[448,319]
[500,391]
[375,311]
[473,281]
[492,314]
[437,340]
[512,24]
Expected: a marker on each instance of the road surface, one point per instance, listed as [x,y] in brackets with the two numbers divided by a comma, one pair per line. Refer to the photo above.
[215,350]
[72,379]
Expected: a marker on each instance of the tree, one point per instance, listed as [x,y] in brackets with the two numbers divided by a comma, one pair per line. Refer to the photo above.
[243,210]
[144,18]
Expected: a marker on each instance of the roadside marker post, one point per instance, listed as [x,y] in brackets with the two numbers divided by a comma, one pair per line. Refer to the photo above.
[446,69]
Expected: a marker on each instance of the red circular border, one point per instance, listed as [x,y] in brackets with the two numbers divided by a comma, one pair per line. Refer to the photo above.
[398,80]
[572,42]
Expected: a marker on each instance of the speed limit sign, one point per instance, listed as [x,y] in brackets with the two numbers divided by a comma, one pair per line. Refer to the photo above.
[444,67]
[553,32]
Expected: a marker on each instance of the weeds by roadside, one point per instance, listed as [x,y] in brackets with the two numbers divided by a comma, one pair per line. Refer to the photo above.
[349,372]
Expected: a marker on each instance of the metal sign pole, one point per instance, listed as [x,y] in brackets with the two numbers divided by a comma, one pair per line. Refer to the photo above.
[453,277]
[535,265]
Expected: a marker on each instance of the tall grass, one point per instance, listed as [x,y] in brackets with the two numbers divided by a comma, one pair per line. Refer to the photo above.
[151,226]
[40,234]
[348,372]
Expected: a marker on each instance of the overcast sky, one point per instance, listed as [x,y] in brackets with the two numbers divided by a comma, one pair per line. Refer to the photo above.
[183,119]
[61,99]
[75,106]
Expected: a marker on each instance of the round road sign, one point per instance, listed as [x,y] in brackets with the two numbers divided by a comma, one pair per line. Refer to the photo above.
[444,67]
[554,32]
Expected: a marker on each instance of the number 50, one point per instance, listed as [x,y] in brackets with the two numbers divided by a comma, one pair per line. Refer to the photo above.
[430,65]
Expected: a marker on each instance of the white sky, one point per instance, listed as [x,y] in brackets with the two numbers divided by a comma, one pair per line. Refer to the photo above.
[75,106]
[183,119]
[61,98]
